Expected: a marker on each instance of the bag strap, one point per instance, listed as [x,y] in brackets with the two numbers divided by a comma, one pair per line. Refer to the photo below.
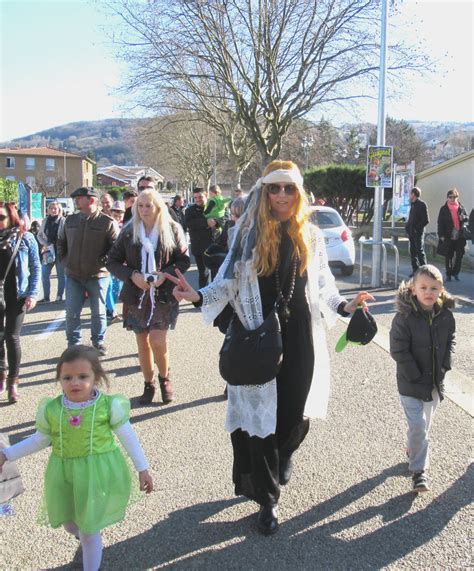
[15,251]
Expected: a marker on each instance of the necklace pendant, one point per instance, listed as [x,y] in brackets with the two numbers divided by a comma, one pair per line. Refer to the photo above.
[75,420]
[285,312]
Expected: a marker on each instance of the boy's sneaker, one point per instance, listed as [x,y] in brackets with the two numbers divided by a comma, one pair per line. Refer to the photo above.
[420,482]
[101,349]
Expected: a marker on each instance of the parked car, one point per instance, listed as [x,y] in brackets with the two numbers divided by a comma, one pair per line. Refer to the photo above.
[67,204]
[338,238]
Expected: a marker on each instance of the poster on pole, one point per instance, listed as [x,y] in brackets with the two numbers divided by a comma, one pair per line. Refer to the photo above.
[379,166]
[404,182]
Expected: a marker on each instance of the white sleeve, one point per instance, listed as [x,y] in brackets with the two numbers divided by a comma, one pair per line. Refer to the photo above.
[30,445]
[129,440]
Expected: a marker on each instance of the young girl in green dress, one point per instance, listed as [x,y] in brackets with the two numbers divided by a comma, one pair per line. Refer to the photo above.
[87,483]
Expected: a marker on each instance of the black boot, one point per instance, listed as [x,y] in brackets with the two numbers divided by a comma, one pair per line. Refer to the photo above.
[166,388]
[267,521]
[148,393]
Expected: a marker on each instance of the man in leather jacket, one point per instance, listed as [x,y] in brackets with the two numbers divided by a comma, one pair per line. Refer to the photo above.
[83,244]
[415,228]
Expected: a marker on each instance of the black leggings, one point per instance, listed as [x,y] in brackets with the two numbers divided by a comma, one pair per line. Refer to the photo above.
[11,322]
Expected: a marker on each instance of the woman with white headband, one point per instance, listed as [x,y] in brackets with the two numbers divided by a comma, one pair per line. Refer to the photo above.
[275,255]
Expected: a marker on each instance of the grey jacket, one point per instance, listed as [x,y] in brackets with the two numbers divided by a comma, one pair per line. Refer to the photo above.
[422,344]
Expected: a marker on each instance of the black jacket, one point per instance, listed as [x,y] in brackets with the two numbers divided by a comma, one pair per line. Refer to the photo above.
[445,221]
[178,215]
[199,232]
[418,217]
[125,251]
[422,345]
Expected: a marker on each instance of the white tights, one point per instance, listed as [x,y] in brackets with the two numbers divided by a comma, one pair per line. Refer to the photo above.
[91,546]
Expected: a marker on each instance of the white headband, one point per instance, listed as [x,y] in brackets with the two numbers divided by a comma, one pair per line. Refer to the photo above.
[283,175]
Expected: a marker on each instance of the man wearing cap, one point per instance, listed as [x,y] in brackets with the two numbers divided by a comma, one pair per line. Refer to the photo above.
[83,244]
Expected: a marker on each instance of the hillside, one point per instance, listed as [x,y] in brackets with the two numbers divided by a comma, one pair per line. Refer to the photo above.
[110,140]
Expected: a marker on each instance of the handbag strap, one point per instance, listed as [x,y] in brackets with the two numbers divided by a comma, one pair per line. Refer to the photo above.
[15,251]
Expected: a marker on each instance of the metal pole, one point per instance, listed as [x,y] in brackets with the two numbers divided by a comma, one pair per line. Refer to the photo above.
[65,174]
[378,191]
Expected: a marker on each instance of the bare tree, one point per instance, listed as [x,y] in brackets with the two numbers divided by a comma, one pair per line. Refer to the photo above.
[255,64]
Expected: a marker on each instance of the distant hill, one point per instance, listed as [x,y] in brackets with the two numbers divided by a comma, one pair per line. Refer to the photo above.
[111,140]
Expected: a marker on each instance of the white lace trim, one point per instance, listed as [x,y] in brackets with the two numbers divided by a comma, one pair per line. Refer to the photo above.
[78,405]
[251,408]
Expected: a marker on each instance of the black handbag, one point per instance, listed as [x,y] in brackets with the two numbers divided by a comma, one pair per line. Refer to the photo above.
[252,357]
[466,231]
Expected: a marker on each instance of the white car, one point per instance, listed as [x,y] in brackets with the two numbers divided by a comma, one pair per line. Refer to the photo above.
[338,238]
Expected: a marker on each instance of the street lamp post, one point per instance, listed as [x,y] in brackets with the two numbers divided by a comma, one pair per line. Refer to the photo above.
[65,172]
[379,191]
[307,143]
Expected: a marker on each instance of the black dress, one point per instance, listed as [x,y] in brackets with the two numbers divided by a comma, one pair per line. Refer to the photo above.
[256,460]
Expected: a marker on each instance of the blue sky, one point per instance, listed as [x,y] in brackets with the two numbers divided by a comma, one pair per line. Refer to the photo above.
[57,66]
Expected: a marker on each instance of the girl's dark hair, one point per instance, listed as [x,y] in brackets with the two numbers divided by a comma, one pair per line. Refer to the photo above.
[88,354]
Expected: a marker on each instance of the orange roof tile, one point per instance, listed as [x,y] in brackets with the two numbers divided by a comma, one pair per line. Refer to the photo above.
[41,152]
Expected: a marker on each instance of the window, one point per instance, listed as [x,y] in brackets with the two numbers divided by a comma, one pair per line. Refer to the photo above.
[49,180]
[10,178]
[30,163]
[30,181]
[10,162]
[50,164]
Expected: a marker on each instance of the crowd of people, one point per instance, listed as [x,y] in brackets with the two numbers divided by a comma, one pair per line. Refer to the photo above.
[257,256]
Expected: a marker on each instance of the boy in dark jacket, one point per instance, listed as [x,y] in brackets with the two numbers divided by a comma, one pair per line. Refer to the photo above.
[422,341]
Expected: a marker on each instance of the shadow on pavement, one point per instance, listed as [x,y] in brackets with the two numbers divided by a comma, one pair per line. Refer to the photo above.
[186,539]
[160,409]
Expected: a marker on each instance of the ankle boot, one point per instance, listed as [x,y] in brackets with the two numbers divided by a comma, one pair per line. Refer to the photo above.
[166,389]
[12,386]
[148,393]
[3,381]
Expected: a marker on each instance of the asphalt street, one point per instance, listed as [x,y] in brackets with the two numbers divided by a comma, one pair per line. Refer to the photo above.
[348,505]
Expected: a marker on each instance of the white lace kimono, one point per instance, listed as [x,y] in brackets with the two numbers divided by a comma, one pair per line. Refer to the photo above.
[254,408]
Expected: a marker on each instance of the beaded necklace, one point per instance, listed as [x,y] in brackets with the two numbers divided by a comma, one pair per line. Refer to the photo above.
[285,300]
[73,409]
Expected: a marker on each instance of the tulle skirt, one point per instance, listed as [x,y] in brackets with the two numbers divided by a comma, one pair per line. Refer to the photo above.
[91,491]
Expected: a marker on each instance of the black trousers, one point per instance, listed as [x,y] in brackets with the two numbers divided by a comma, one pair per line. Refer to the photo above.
[417,251]
[202,270]
[256,460]
[454,256]
[11,322]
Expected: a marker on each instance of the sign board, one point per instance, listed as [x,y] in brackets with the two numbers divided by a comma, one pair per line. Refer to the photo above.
[36,205]
[379,166]
[404,182]
[24,199]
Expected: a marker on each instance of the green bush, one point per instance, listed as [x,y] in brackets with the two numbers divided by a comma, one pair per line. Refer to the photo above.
[8,190]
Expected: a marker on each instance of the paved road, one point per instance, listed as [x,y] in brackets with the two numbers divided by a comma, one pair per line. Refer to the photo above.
[348,505]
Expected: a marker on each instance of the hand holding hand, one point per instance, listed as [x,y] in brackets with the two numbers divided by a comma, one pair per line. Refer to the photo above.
[30,303]
[146,481]
[183,290]
[359,299]
[139,281]
[211,223]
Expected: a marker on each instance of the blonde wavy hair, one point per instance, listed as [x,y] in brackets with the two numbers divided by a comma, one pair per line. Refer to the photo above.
[163,221]
[269,232]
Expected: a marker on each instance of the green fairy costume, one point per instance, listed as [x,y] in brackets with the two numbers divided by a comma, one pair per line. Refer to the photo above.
[87,479]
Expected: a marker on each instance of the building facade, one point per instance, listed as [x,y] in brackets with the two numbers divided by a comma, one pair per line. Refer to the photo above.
[51,171]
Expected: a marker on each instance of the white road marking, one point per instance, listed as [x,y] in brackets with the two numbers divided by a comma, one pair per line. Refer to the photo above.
[51,328]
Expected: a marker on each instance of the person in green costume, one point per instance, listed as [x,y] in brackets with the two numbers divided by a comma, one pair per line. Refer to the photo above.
[87,484]
[216,205]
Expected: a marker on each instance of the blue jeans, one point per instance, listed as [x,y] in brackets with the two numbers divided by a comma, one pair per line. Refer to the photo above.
[75,297]
[113,292]
[45,276]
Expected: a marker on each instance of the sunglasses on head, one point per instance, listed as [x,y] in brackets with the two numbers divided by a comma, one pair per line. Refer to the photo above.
[276,188]
[3,217]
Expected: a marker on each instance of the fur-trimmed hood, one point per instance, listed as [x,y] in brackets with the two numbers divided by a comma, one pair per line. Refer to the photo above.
[406,302]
